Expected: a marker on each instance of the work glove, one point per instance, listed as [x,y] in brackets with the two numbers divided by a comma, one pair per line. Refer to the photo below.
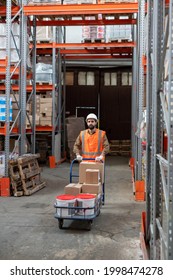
[100,158]
[79,158]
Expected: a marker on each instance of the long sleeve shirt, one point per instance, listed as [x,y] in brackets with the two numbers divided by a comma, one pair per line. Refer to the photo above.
[78,144]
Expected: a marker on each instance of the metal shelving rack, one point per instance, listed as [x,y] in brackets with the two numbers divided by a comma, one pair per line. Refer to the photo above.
[159,179]
[12,72]
[159,167]
[63,50]
[113,50]
[137,91]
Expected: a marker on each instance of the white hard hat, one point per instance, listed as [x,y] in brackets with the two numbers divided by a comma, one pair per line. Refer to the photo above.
[91,116]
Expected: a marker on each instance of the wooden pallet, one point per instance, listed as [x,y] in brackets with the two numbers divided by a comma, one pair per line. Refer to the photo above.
[43,3]
[93,41]
[44,42]
[43,83]
[25,175]
[119,40]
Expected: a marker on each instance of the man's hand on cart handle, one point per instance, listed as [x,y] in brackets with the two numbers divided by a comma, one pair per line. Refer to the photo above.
[79,157]
[100,158]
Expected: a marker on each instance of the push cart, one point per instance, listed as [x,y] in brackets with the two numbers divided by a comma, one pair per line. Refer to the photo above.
[74,212]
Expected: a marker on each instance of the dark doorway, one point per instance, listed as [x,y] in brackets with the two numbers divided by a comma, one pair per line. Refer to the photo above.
[110,94]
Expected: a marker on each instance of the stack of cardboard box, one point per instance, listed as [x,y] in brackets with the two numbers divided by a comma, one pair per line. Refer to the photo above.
[73,127]
[46,111]
[91,178]
[43,115]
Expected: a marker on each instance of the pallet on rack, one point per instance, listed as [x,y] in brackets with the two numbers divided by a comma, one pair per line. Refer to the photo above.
[43,83]
[117,1]
[45,3]
[92,40]
[118,40]
[25,175]
[44,41]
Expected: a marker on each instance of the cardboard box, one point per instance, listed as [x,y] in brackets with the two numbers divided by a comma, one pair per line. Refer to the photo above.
[45,122]
[73,189]
[92,188]
[84,165]
[46,100]
[45,107]
[92,176]
[46,114]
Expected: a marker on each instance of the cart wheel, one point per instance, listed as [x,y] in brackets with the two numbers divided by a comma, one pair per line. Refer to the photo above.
[98,213]
[60,223]
[90,222]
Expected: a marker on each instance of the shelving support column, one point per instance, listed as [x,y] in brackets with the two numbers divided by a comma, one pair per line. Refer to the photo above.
[33,137]
[23,72]
[141,15]
[134,95]
[149,116]
[157,131]
[8,83]
[170,139]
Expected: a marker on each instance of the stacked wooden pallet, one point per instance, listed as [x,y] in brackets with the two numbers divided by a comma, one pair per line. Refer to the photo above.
[25,175]
[120,147]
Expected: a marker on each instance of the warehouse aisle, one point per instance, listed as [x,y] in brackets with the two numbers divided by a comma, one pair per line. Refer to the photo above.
[30,231]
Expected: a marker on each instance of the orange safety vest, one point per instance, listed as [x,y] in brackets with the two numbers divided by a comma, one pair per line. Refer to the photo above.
[92,144]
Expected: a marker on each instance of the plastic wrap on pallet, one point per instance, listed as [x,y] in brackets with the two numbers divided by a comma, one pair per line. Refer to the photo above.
[43,33]
[44,59]
[118,32]
[73,34]
[44,1]
[15,56]
[43,68]
[15,28]
[93,32]
[43,72]
[13,44]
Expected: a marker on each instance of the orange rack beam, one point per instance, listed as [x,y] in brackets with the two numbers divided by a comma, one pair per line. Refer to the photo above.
[2,62]
[85,45]
[97,51]
[14,10]
[116,51]
[73,22]
[28,130]
[64,10]
[45,128]
[3,130]
[95,45]
[3,69]
[29,88]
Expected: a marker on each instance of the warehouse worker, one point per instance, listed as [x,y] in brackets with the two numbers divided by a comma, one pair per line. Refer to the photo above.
[92,142]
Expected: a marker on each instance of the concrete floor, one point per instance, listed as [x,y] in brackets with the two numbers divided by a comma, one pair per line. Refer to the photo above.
[28,229]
